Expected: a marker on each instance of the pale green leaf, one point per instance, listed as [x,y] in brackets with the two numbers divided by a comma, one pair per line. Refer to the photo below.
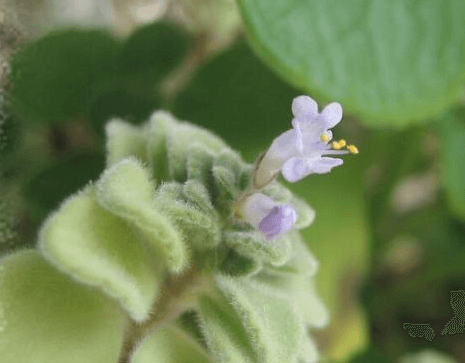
[198,229]
[126,190]
[302,263]
[230,160]
[180,138]
[303,293]
[225,336]
[271,323]
[309,352]
[100,249]
[170,191]
[305,213]
[123,140]
[170,345]
[157,155]
[244,180]
[47,317]
[234,264]
[253,245]
[392,62]
[199,165]
[198,194]
[278,192]
[315,313]
[225,182]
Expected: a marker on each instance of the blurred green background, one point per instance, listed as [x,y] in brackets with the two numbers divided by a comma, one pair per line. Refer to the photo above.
[390,225]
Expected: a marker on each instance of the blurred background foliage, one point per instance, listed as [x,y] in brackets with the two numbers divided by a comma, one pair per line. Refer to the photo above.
[390,226]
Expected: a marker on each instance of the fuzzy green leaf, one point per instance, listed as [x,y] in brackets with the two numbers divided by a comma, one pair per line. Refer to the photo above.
[225,336]
[278,192]
[170,345]
[199,165]
[237,265]
[305,213]
[225,182]
[309,352]
[244,179]
[198,194]
[157,153]
[303,262]
[302,291]
[123,140]
[180,138]
[230,160]
[392,62]
[127,191]
[251,244]
[191,193]
[272,325]
[199,230]
[47,317]
[100,249]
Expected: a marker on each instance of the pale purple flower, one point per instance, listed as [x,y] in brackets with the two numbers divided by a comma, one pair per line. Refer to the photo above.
[301,150]
[271,218]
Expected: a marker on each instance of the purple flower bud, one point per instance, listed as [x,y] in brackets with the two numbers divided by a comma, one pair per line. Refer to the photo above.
[271,218]
[280,220]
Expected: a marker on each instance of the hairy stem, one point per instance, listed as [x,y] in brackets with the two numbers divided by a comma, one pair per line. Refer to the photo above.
[175,291]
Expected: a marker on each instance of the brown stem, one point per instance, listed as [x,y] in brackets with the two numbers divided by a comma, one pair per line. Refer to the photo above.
[165,309]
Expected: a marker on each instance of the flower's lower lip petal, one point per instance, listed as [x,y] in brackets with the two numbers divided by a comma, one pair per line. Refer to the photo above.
[295,169]
[324,165]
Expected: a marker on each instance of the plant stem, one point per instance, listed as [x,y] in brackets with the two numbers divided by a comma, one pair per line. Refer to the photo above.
[175,291]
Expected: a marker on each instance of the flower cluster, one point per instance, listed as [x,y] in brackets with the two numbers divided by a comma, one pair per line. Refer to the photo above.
[296,153]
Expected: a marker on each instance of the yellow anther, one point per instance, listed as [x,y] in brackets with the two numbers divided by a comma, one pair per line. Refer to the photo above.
[324,137]
[342,143]
[336,145]
[352,149]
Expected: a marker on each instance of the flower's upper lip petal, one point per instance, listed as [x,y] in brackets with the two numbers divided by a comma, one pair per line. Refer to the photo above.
[299,136]
[285,145]
[304,107]
[331,115]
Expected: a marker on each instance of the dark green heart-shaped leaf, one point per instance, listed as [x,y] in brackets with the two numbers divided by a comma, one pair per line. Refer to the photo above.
[391,62]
